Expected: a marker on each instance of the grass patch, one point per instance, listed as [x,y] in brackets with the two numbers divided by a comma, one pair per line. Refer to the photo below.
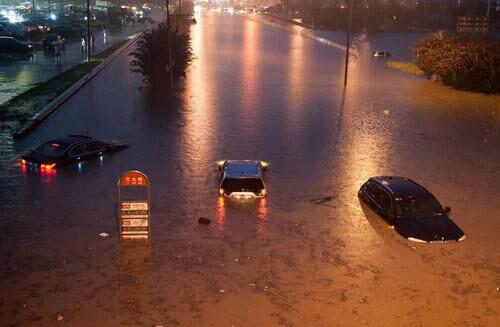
[22,107]
[405,66]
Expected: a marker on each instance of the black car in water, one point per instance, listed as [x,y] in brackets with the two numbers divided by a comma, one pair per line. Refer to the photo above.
[242,179]
[413,211]
[68,150]
[12,46]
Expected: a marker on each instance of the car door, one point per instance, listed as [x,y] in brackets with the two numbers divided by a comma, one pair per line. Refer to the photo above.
[87,150]
[385,204]
[371,196]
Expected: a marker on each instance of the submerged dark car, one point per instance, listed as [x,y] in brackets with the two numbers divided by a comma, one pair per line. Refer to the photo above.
[413,211]
[68,150]
[242,179]
[9,45]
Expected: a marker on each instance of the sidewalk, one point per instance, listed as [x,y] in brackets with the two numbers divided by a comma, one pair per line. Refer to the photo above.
[19,76]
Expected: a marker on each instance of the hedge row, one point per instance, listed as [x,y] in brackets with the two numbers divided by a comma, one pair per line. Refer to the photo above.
[464,61]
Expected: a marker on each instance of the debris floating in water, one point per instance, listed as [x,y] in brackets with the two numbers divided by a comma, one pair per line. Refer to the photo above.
[204,220]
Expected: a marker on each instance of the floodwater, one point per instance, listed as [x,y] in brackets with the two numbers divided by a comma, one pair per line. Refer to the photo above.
[307,255]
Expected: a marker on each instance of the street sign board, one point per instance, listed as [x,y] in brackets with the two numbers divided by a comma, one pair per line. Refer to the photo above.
[134,213]
[472,24]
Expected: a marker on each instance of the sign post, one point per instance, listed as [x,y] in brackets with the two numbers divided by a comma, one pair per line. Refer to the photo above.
[472,24]
[135,219]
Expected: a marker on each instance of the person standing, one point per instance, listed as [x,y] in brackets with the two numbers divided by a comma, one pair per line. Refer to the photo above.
[84,45]
[58,50]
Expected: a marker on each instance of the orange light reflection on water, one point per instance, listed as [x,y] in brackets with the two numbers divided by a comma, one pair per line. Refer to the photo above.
[220,215]
[262,211]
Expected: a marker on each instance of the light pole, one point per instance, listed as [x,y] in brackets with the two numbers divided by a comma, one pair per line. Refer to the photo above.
[169,42]
[348,45]
[488,11]
[88,31]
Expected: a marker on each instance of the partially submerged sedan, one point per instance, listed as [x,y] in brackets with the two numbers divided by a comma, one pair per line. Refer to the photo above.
[413,211]
[242,179]
[68,150]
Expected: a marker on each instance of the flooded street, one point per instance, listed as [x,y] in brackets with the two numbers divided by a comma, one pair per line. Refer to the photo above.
[309,254]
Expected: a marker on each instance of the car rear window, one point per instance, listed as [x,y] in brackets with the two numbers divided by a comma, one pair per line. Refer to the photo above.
[242,185]
[51,149]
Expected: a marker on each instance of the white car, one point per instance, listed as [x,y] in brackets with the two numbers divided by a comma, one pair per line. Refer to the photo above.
[383,54]
[242,179]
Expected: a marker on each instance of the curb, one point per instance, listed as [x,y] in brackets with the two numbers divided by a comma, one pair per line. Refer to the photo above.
[289,20]
[52,107]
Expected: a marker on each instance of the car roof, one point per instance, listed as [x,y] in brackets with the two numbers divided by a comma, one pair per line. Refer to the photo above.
[243,168]
[71,139]
[400,186]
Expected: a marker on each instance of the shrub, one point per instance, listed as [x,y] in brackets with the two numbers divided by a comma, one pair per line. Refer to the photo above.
[468,62]
[150,58]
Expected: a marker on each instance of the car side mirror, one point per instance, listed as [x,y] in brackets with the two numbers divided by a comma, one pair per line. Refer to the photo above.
[447,209]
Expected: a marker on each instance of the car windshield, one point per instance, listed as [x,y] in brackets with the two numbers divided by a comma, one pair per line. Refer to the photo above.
[51,149]
[242,185]
[415,207]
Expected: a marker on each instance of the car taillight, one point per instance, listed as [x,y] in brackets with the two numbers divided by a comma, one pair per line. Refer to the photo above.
[221,191]
[23,161]
[263,192]
[48,166]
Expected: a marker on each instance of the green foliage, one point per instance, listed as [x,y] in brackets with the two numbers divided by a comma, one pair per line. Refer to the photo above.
[407,67]
[466,62]
[150,58]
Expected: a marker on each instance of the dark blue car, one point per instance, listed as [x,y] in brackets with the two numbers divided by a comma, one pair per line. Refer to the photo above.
[413,211]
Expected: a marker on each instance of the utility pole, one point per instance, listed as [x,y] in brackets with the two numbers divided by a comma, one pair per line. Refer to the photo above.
[488,11]
[88,31]
[348,45]
[169,42]
[33,9]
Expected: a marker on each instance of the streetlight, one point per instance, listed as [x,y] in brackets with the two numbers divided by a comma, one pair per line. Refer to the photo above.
[88,31]
[348,42]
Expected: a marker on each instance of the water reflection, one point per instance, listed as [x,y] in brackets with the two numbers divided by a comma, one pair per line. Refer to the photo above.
[198,134]
[220,215]
[250,71]
[262,213]
[256,209]
[295,78]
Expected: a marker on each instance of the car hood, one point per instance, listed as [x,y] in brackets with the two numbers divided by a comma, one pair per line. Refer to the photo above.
[436,229]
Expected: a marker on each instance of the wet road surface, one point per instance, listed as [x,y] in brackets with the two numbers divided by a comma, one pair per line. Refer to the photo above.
[308,255]
[17,76]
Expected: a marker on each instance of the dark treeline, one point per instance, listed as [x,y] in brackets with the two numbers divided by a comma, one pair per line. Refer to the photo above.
[380,15]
